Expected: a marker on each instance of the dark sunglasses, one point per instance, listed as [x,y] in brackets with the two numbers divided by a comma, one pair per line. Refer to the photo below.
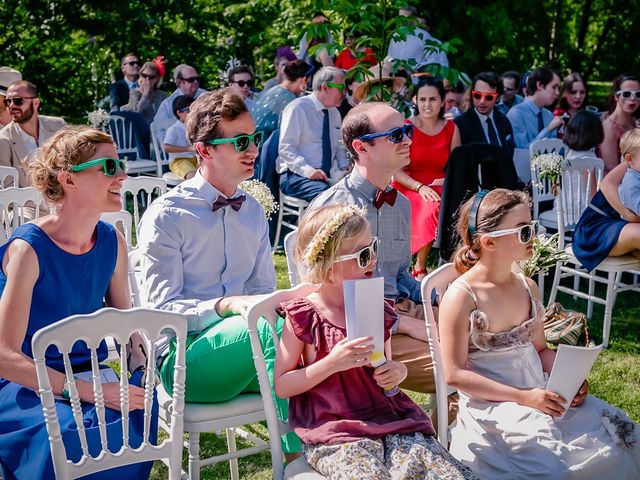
[364,256]
[133,62]
[242,142]
[109,165]
[395,135]
[184,110]
[525,232]
[629,94]
[190,79]
[149,77]
[17,101]
[242,83]
[489,97]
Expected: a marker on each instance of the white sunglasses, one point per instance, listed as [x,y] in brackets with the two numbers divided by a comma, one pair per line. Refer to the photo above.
[364,255]
[525,232]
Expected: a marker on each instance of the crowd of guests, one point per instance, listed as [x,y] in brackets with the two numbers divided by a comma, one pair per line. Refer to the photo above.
[373,179]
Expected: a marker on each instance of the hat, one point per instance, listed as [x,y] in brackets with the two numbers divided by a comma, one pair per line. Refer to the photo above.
[7,76]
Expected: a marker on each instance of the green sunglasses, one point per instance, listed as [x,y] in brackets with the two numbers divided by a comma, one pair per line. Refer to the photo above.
[339,86]
[240,142]
[110,165]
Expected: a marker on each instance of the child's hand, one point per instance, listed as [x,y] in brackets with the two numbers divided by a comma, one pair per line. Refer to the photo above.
[545,401]
[390,374]
[348,354]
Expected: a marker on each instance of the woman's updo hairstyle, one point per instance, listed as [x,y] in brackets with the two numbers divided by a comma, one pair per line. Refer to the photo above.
[490,212]
[68,146]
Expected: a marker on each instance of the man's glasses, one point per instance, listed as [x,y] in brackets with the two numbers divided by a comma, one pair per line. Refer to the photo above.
[243,83]
[148,77]
[628,94]
[190,79]
[17,101]
[509,89]
[364,256]
[339,86]
[525,232]
[109,165]
[489,97]
[240,142]
[395,135]
[133,63]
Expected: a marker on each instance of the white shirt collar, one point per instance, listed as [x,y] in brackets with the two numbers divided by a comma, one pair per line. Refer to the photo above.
[484,117]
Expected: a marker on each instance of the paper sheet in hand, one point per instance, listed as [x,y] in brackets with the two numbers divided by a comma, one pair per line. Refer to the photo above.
[570,368]
[107,375]
[364,312]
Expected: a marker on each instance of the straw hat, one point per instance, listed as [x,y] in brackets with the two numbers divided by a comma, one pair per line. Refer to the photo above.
[396,83]
[7,76]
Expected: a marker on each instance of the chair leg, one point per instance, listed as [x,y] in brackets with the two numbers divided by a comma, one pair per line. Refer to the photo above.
[276,240]
[194,456]
[576,285]
[231,446]
[592,289]
[608,308]
[554,286]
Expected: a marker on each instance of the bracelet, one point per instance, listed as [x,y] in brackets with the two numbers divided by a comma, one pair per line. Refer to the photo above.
[420,185]
[65,389]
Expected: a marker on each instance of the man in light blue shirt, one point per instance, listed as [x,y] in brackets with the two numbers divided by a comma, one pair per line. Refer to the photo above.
[510,85]
[530,120]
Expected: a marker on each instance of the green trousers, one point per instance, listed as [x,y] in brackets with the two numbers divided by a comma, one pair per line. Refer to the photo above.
[220,367]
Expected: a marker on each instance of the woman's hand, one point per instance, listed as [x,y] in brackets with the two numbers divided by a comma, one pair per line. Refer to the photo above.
[347,354]
[145,86]
[544,400]
[428,194]
[581,395]
[111,395]
[390,374]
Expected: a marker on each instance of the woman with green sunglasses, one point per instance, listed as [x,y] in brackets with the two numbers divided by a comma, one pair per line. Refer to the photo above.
[59,265]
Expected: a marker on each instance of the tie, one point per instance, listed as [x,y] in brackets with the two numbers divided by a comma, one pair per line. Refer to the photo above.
[134,85]
[326,144]
[388,196]
[540,121]
[493,138]
[235,203]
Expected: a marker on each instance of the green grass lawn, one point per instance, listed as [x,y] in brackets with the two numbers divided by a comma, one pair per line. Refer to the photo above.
[615,378]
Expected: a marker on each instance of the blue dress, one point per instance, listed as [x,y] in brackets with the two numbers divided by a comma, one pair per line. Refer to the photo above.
[596,232]
[67,284]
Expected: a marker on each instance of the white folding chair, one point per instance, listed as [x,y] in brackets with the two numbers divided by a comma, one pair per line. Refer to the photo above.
[122,133]
[92,328]
[574,196]
[17,206]
[8,177]
[158,130]
[122,220]
[146,187]
[299,469]
[290,208]
[433,287]
[541,189]
[292,268]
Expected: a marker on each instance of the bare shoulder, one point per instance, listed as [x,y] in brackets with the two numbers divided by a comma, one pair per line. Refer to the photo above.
[533,287]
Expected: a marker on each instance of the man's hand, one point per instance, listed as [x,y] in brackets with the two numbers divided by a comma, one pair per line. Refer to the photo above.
[413,327]
[237,305]
[390,374]
[318,174]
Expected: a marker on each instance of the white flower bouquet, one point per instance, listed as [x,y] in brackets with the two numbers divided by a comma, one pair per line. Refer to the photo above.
[550,166]
[545,255]
[262,194]
[99,119]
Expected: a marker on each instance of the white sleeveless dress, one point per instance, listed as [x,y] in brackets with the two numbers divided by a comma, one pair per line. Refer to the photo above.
[505,440]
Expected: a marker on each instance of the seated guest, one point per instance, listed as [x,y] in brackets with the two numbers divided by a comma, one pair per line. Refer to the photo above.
[495,353]
[147,98]
[530,119]
[284,55]
[28,131]
[321,34]
[572,99]
[510,85]
[350,56]
[453,99]
[7,76]
[206,252]
[421,181]
[183,159]
[60,265]
[187,83]
[119,91]
[483,123]
[268,109]
[241,81]
[310,155]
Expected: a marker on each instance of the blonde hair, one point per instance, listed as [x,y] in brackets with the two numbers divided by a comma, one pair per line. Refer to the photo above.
[493,207]
[320,235]
[630,142]
[68,146]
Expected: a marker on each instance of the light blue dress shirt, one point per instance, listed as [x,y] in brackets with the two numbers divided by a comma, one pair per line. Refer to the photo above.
[193,256]
[504,108]
[629,190]
[524,120]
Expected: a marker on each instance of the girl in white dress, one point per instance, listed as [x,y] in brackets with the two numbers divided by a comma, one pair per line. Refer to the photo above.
[495,354]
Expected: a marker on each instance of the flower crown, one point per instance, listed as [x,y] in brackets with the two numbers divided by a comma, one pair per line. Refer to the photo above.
[326,231]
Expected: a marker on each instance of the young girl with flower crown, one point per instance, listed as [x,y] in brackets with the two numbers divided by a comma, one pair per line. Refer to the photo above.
[494,352]
[337,404]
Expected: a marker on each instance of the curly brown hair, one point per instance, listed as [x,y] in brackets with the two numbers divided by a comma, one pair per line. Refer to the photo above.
[69,146]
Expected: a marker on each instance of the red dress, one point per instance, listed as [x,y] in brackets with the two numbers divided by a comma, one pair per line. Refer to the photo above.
[429,156]
[347,405]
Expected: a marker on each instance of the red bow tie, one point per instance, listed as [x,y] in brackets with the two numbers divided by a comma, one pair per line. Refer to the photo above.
[235,203]
[385,197]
